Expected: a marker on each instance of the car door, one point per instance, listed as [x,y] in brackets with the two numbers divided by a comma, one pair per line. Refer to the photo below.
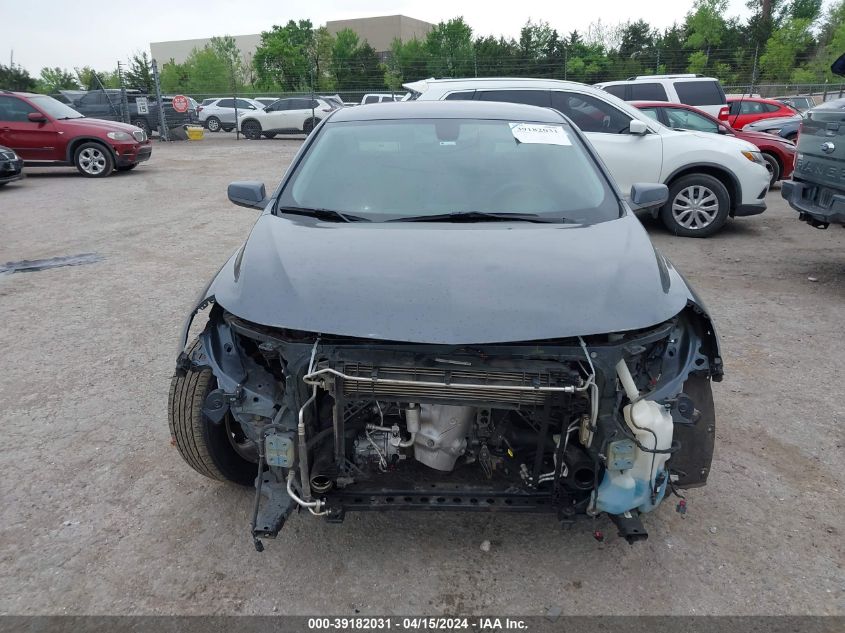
[300,111]
[31,140]
[277,115]
[242,106]
[683,119]
[630,157]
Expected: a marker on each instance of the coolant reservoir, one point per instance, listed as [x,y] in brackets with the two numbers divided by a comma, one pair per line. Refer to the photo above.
[624,489]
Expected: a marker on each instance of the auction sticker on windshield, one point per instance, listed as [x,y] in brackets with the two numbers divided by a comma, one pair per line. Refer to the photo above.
[540,133]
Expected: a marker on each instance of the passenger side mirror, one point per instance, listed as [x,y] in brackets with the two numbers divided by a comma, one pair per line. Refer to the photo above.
[637,127]
[645,195]
[36,117]
[248,193]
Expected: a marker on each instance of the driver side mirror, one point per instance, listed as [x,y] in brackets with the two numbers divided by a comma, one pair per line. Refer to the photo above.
[637,127]
[645,195]
[248,193]
[36,117]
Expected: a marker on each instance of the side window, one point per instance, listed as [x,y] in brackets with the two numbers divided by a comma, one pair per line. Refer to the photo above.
[697,93]
[591,114]
[750,107]
[300,104]
[771,107]
[463,95]
[616,91]
[13,109]
[681,119]
[371,99]
[648,92]
[528,97]
[226,103]
[245,105]
[651,113]
[314,104]
[733,107]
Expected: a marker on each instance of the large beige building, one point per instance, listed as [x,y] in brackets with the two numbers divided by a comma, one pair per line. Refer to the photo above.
[379,31]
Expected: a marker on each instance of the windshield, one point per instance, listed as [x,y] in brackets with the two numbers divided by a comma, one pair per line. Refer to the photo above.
[393,169]
[55,108]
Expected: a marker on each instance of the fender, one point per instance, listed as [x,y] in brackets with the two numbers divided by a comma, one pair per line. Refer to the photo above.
[737,188]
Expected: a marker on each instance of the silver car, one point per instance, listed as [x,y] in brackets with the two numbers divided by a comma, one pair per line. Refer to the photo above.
[220,113]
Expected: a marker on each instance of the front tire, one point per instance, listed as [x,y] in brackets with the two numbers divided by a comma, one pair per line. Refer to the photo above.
[212,124]
[251,129]
[698,206]
[141,123]
[773,166]
[205,446]
[93,160]
[309,125]
[269,135]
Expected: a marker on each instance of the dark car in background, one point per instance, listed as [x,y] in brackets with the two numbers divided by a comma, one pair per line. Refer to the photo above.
[778,152]
[520,347]
[11,166]
[817,188]
[143,109]
[46,132]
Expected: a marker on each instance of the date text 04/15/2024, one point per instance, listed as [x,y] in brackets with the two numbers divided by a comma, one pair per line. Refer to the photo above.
[417,624]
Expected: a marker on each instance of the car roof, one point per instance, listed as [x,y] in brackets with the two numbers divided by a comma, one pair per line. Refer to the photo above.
[490,82]
[755,99]
[670,104]
[448,110]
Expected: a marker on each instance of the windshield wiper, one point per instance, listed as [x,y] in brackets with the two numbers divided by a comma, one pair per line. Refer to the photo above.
[481,216]
[324,214]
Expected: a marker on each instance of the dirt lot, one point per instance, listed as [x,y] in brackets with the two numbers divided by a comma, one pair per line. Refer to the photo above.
[100,514]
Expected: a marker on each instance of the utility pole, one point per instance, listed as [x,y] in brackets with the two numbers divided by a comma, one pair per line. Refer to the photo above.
[163,132]
[753,72]
[565,61]
[657,65]
[124,102]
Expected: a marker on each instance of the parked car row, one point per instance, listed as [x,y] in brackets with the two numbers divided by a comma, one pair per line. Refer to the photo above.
[711,177]
[37,130]
[143,108]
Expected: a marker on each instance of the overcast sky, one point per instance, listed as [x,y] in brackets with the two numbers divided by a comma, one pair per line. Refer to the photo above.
[98,33]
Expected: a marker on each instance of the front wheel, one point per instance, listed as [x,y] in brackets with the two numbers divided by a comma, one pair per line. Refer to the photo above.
[216,451]
[773,166]
[93,160]
[212,124]
[309,125]
[698,206]
[141,123]
[251,129]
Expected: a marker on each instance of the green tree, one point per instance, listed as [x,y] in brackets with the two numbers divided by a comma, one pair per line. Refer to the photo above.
[408,61]
[16,78]
[790,40]
[54,79]
[282,57]
[139,73]
[450,50]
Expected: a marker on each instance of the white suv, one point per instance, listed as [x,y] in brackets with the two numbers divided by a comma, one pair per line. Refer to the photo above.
[710,177]
[219,114]
[705,93]
[289,115]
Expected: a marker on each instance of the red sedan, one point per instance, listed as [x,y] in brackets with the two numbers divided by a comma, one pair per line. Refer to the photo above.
[778,152]
[745,110]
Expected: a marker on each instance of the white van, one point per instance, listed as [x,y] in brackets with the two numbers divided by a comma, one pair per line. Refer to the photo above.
[705,93]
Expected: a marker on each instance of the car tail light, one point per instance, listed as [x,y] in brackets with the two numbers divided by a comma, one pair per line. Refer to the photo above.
[724,114]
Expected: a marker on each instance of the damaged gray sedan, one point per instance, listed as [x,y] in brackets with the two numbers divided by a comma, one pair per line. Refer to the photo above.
[448,306]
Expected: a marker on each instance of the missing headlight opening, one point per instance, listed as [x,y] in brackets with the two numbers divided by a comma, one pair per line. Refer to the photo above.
[576,426]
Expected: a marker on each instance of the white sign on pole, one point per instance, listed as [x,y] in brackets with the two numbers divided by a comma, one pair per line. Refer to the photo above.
[143,106]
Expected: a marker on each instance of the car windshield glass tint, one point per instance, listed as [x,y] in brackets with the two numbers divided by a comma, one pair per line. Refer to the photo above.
[390,169]
[54,108]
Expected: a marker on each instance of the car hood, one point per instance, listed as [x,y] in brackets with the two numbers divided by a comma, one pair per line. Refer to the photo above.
[450,283]
[84,124]
[771,123]
[719,141]
[762,137]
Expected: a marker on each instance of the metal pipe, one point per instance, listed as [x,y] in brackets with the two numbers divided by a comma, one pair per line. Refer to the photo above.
[311,379]
[303,447]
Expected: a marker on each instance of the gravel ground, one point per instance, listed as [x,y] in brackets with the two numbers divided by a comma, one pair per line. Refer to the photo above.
[100,515]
